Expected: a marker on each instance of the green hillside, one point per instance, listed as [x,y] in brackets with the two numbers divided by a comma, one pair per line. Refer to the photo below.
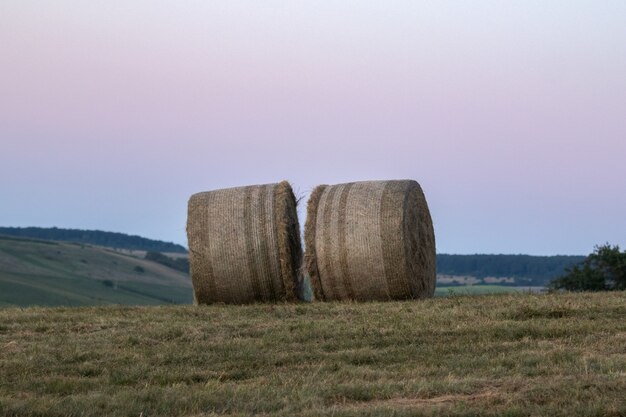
[453,270]
[94,237]
[36,272]
[501,355]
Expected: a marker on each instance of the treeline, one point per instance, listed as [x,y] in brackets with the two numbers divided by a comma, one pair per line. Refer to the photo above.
[179,264]
[526,269]
[94,237]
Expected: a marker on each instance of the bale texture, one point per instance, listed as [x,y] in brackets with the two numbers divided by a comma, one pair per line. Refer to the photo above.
[370,241]
[244,244]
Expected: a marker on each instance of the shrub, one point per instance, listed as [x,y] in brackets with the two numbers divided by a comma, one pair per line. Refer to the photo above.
[603,270]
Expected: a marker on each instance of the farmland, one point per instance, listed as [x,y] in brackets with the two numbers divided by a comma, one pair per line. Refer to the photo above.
[36,272]
[505,354]
[48,273]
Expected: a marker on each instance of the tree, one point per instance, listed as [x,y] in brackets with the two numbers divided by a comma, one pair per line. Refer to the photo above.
[603,270]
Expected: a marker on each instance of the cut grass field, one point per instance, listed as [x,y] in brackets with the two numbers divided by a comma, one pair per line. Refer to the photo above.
[509,354]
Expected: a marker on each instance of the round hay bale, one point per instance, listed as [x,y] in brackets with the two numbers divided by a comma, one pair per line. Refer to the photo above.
[244,244]
[370,241]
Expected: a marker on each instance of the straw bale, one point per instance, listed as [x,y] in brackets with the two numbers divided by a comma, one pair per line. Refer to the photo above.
[244,244]
[370,241]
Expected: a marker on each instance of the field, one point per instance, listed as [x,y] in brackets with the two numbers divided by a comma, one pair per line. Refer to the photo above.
[481,290]
[39,272]
[506,354]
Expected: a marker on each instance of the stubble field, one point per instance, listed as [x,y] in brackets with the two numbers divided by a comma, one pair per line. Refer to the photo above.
[510,354]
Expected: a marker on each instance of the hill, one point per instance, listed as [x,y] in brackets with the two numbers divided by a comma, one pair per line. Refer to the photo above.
[520,270]
[34,271]
[514,355]
[94,237]
[38,272]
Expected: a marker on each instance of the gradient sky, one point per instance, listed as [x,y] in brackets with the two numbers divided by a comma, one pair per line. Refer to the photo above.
[511,115]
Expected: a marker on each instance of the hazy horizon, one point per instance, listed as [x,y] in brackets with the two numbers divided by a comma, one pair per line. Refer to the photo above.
[510,116]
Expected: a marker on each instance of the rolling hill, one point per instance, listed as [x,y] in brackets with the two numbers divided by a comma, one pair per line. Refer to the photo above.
[71,270]
[94,237]
[48,273]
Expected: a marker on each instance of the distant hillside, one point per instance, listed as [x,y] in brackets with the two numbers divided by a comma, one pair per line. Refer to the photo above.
[525,269]
[46,273]
[94,237]
[36,271]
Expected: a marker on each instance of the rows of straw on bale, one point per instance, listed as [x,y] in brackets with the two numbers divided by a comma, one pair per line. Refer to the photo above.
[244,244]
[370,241]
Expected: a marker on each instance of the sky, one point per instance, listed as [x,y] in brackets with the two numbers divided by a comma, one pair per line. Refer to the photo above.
[511,115]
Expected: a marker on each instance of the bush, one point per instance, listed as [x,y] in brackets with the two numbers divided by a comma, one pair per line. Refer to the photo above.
[603,270]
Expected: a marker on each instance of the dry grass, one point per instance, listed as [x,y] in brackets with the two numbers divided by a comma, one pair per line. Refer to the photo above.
[515,355]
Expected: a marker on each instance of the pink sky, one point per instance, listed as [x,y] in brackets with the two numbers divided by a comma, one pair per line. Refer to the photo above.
[511,116]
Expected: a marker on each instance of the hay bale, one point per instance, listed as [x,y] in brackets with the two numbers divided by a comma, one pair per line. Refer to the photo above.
[244,244]
[370,241]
